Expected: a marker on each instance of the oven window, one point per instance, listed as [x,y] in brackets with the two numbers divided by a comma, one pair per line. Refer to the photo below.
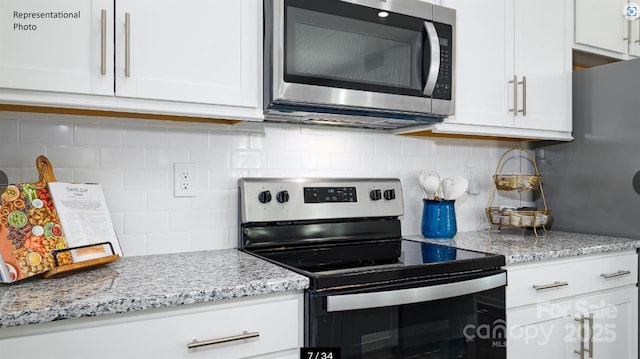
[338,44]
[471,326]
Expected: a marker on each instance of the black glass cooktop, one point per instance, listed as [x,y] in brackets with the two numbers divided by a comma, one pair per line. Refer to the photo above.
[378,261]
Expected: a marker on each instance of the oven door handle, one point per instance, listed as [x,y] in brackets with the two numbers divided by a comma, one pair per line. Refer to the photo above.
[338,303]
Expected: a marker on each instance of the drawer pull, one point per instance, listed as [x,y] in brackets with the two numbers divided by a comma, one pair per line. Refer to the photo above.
[619,273]
[553,285]
[196,344]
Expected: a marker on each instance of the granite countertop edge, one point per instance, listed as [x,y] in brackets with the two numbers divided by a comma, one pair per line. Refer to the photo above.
[524,246]
[126,286]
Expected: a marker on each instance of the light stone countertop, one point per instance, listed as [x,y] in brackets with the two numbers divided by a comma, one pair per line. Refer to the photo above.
[144,282]
[168,280]
[521,246]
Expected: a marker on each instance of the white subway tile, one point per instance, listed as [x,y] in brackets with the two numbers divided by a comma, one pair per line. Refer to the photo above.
[402,163]
[360,144]
[375,162]
[388,146]
[330,144]
[145,137]
[229,140]
[110,179]
[167,243]
[345,161]
[133,245]
[283,160]
[73,156]
[146,222]
[98,135]
[296,142]
[413,147]
[165,158]
[248,160]
[8,131]
[12,155]
[126,201]
[209,240]
[217,158]
[113,157]
[188,138]
[165,201]
[146,179]
[187,221]
[46,132]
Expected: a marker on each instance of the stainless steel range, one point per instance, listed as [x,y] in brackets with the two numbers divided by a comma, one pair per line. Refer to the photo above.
[374,294]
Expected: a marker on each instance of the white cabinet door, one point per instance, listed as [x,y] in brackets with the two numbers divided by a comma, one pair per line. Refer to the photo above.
[498,43]
[541,332]
[600,24]
[202,51]
[482,63]
[542,56]
[614,327]
[62,46]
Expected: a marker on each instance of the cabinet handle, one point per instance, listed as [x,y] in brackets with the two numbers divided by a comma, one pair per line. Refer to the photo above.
[590,335]
[628,38]
[196,344]
[127,44]
[619,273]
[553,285]
[582,349]
[103,42]
[515,95]
[524,95]
[638,41]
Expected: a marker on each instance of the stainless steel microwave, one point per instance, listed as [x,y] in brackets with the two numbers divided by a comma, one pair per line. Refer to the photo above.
[381,64]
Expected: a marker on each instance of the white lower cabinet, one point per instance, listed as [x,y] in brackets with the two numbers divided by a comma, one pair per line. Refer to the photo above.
[273,323]
[586,307]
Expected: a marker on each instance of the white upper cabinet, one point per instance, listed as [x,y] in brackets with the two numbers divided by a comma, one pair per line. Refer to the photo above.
[63,46]
[190,50]
[601,28]
[513,76]
[176,57]
[542,63]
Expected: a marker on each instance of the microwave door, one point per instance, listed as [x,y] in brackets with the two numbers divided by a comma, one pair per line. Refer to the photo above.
[430,59]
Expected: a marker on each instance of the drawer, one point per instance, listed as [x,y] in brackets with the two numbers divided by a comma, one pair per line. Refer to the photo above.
[530,283]
[166,333]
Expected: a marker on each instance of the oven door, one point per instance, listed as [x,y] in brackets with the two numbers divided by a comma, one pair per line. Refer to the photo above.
[460,318]
[343,54]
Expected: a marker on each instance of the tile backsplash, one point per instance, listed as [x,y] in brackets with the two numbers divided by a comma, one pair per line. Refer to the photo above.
[133,160]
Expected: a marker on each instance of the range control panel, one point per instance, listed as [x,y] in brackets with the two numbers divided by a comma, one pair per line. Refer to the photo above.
[290,199]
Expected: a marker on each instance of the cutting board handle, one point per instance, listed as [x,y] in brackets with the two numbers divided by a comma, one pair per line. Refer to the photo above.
[45,169]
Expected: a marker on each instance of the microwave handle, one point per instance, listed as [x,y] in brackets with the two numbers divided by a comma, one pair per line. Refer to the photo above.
[434,66]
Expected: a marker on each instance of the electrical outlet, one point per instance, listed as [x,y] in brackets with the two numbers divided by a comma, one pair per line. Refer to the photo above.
[184,176]
[474,186]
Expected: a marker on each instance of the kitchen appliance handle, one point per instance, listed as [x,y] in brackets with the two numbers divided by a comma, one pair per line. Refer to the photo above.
[344,302]
[127,45]
[103,41]
[619,273]
[246,335]
[434,65]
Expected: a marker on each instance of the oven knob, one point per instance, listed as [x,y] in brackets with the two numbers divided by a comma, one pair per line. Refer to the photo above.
[282,196]
[390,194]
[264,197]
[375,195]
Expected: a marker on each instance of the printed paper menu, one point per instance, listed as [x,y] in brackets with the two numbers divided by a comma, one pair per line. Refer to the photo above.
[85,218]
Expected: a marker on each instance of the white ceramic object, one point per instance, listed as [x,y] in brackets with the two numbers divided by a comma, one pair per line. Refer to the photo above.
[447,185]
[430,182]
[458,187]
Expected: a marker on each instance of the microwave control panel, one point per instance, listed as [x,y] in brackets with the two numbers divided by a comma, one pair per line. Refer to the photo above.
[443,89]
